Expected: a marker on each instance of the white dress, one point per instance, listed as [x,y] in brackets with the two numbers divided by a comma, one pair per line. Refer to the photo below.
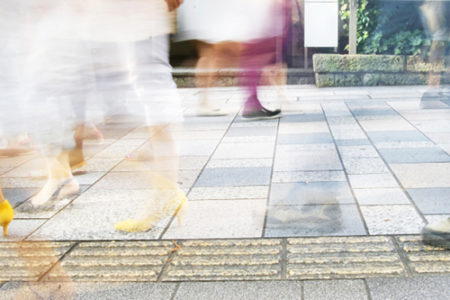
[225,20]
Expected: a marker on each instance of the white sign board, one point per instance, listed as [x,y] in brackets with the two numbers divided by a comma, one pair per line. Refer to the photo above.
[321,23]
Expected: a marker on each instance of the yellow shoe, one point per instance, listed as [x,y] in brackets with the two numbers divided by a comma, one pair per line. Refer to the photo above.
[136,225]
[172,202]
[6,216]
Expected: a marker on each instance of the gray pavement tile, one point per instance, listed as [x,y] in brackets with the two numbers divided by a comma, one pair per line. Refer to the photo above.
[381,196]
[286,149]
[98,164]
[305,138]
[22,182]
[386,124]
[244,150]
[344,133]
[432,200]
[315,193]
[373,111]
[19,229]
[92,217]
[445,147]
[196,147]
[372,181]
[424,175]
[185,163]
[220,219]
[16,196]
[360,151]
[117,150]
[240,290]
[318,160]
[405,144]
[392,219]
[89,177]
[334,289]
[308,176]
[251,131]
[411,288]
[303,128]
[395,136]
[141,180]
[199,135]
[365,165]
[299,117]
[352,142]
[314,220]
[414,155]
[433,125]
[149,290]
[234,177]
[37,290]
[12,162]
[228,193]
[35,167]
[249,139]
[436,218]
[437,137]
[240,163]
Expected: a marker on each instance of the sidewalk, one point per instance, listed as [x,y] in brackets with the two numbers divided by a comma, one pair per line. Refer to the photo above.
[366,165]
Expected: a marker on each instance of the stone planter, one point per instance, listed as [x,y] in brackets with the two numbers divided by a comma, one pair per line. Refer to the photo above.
[332,70]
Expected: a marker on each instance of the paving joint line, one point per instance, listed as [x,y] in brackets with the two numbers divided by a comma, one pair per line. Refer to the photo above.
[402,256]
[175,291]
[58,261]
[366,287]
[266,213]
[283,259]
[169,259]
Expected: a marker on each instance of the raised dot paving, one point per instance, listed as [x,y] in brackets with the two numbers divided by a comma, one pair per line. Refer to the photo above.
[423,259]
[226,260]
[29,261]
[222,259]
[342,257]
[116,261]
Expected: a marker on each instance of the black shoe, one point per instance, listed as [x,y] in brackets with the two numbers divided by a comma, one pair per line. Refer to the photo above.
[261,114]
[437,234]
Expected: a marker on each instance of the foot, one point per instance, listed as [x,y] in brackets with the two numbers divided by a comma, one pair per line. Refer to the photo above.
[137,225]
[6,216]
[437,234]
[260,114]
[54,188]
[168,201]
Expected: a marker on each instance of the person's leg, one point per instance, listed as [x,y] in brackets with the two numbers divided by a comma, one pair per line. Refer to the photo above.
[159,100]
[254,57]
[206,75]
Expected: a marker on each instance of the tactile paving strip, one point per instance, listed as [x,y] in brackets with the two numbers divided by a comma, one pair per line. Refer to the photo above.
[342,257]
[226,260]
[422,258]
[29,261]
[116,261]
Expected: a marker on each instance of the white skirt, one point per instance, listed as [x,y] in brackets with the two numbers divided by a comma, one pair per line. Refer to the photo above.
[215,21]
